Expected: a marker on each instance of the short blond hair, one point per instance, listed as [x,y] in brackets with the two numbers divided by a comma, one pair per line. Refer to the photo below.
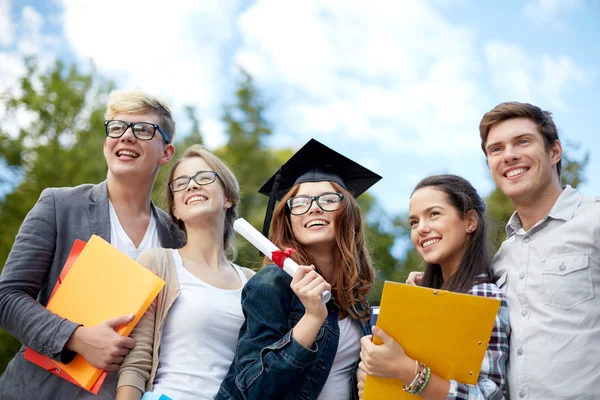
[231,187]
[139,102]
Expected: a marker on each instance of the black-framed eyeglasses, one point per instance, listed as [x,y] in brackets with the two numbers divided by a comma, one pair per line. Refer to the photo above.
[201,178]
[299,205]
[141,130]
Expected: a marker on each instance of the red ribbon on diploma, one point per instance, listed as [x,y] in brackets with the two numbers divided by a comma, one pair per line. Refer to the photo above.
[279,256]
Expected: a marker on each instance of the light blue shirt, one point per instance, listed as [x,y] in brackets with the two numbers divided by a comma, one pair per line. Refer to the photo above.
[550,275]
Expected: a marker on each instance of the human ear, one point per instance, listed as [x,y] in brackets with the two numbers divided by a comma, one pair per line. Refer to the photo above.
[472,220]
[168,153]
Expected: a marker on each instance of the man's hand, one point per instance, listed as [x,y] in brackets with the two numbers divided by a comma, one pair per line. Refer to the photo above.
[100,345]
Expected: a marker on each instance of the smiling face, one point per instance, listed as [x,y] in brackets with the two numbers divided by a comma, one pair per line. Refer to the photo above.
[135,160]
[198,201]
[439,233]
[521,166]
[316,227]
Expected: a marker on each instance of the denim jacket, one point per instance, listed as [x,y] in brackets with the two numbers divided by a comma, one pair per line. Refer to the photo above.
[269,363]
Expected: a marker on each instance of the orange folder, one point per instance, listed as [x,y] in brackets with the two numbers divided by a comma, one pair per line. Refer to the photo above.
[97,283]
[447,331]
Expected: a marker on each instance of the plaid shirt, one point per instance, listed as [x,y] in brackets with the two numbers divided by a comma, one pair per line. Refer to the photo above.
[492,378]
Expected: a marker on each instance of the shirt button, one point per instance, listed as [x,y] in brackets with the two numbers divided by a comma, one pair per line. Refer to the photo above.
[520,351]
[522,275]
[527,239]
[524,312]
[562,267]
[522,393]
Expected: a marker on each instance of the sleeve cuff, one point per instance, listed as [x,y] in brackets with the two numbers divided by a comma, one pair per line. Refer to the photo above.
[296,353]
[62,354]
[130,378]
[453,392]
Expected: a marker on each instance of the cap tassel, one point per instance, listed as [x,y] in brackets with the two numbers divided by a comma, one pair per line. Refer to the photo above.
[271,205]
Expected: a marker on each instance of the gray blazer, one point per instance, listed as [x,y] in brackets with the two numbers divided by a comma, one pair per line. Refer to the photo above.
[41,248]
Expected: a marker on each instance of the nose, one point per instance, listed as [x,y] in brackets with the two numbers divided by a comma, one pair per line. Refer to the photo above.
[314,207]
[192,185]
[423,229]
[510,154]
[128,135]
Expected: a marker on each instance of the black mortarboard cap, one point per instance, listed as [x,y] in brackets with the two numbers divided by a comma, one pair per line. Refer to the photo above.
[315,162]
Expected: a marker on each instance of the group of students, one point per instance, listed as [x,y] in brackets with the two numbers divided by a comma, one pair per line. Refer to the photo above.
[220,331]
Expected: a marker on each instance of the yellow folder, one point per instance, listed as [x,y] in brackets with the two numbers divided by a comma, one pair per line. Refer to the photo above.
[103,283]
[447,331]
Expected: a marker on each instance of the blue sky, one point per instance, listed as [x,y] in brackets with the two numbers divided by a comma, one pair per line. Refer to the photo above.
[397,85]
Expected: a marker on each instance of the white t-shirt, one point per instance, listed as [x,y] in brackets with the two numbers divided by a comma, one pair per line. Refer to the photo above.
[120,240]
[339,381]
[199,337]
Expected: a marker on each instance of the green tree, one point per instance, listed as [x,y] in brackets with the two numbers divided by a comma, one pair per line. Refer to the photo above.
[247,154]
[384,231]
[60,147]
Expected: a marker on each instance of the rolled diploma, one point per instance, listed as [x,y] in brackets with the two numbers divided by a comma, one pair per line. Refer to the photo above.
[266,247]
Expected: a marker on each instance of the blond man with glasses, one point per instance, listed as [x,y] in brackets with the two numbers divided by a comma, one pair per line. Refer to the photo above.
[119,210]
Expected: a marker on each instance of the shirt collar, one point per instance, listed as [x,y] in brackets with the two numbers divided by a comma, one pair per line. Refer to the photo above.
[563,208]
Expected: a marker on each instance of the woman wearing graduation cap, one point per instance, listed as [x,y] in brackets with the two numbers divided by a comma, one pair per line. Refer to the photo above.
[292,345]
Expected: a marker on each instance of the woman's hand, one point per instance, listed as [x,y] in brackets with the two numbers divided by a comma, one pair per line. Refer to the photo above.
[361,376]
[308,286]
[387,360]
[415,278]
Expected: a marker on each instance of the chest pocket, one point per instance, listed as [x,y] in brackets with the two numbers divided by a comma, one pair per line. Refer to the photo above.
[567,280]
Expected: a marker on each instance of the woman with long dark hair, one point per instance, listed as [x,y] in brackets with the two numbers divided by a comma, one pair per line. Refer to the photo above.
[292,345]
[448,230]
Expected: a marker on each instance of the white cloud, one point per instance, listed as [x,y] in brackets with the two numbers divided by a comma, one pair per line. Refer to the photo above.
[537,79]
[394,72]
[175,51]
[7,30]
[30,38]
[11,68]
[29,41]
[549,12]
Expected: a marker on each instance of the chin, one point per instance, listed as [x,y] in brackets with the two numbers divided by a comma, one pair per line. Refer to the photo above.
[429,259]
[317,241]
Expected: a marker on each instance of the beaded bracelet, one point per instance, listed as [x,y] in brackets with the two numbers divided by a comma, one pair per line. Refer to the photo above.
[419,380]
[425,382]
[414,381]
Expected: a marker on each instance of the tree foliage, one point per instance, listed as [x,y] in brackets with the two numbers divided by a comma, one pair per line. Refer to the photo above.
[62,146]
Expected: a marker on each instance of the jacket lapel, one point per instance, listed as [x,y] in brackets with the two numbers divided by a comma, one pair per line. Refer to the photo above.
[98,211]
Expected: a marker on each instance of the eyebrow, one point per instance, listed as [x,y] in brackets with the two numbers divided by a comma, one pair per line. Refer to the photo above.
[425,211]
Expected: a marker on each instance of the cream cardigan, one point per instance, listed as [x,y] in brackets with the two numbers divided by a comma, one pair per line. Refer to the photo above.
[140,365]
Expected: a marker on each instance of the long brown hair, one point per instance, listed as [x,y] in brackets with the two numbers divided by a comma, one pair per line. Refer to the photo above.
[355,273]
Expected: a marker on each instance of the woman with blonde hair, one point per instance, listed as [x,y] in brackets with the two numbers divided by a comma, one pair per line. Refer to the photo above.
[186,340]
[293,345]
